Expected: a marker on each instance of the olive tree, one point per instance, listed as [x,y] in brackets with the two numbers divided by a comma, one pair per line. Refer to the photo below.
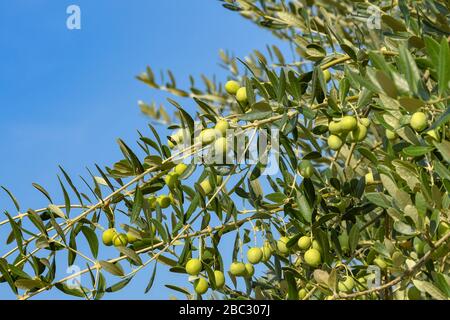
[355,204]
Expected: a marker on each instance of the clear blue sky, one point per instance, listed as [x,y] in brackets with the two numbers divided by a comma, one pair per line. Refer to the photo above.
[66,96]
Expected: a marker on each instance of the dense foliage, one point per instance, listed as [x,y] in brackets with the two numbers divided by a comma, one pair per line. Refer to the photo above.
[359,205]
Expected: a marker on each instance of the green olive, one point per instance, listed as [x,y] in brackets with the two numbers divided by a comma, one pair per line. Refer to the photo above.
[232,87]
[171,179]
[219,279]
[334,142]
[180,169]
[222,127]
[391,135]
[306,169]
[163,201]
[281,245]
[120,240]
[201,286]
[418,121]
[313,258]
[108,235]
[241,95]
[193,267]
[254,255]
[238,269]
[304,243]
[348,123]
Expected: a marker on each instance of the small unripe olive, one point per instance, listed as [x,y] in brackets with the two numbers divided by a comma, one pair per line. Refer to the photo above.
[254,255]
[334,142]
[238,269]
[281,245]
[391,135]
[219,278]
[334,127]
[359,133]
[180,168]
[365,122]
[302,294]
[241,95]
[347,285]
[193,267]
[267,253]
[327,75]
[201,286]
[232,87]
[316,245]
[120,240]
[418,121]
[369,178]
[163,201]
[170,144]
[306,169]
[108,235]
[171,179]
[152,202]
[348,123]
[312,257]
[222,127]
[304,243]
[249,270]
[208,135]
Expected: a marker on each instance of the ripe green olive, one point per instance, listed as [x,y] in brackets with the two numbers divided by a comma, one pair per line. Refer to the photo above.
[267,253]
[281,245]
[238,269]
[152,202]
[359,133]
[334,142]
[418,121]
[313,258]
[327,75]
[249,270]
[369,178]
[206,186]
[306,169]
[208,135]
[348,123]
[120,240]
[365,122]
[254,255]
[201,286]
[108,235]
[219,278]
[163,201]
[304,243]
[334,127]
[232,87]
[222,127]
[180,169]
[347,285]
[193,267]
[241,95]
[391,135]
[302,294]
[171,179]
[316,245]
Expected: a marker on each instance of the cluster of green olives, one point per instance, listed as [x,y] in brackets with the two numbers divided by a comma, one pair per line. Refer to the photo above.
[201,285]
[347,129]
[112,237]
[234,88]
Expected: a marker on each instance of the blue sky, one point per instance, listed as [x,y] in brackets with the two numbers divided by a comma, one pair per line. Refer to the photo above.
[66,96]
